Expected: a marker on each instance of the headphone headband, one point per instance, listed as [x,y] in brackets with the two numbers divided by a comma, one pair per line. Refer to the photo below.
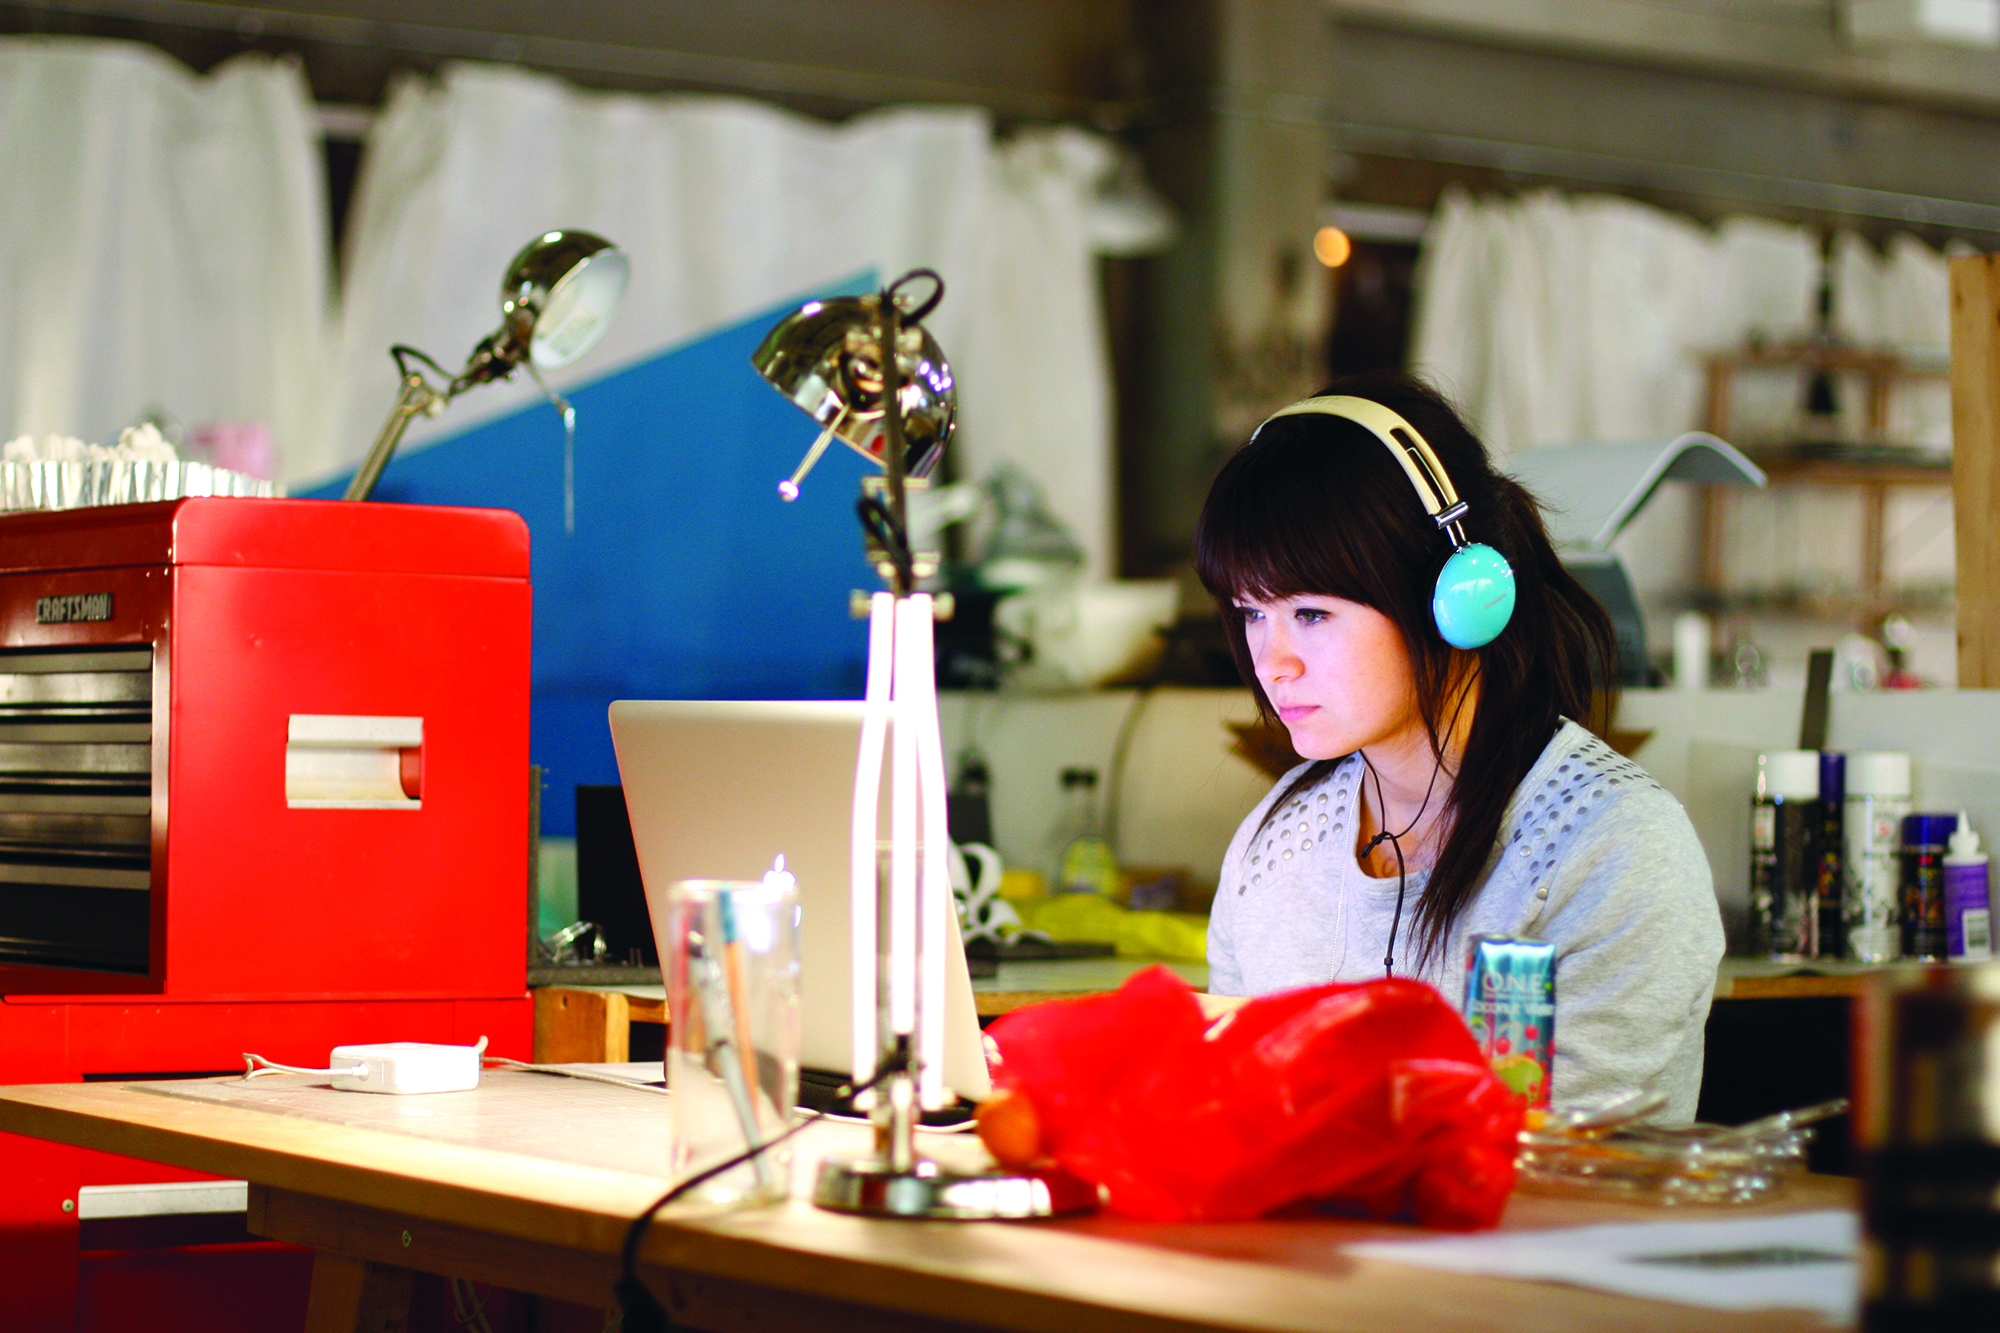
[1433,484]
[1474,598]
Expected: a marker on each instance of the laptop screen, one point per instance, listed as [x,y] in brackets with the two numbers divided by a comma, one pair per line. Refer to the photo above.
[718,789]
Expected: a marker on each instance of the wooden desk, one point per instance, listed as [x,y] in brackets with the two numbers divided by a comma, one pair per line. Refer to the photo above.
[377,1204]
[1031,982]
[592,1024]
[589,1025]
[1757,979]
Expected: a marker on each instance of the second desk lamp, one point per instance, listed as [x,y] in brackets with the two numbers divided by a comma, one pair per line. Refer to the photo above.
[555,300]
[868,372]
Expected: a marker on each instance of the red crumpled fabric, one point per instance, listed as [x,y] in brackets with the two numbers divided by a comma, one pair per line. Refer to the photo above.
[1370,1096]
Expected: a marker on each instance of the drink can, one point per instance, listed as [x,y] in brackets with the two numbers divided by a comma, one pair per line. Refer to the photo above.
[1510,1005]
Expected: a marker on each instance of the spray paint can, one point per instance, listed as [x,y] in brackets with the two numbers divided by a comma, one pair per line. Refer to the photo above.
[1878,797]
[1784,854]
[1828,938]
[1924,842]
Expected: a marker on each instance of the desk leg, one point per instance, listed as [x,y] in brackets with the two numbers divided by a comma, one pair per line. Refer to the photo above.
[354,1296]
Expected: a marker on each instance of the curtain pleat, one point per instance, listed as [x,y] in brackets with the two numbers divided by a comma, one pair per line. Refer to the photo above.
[166,248]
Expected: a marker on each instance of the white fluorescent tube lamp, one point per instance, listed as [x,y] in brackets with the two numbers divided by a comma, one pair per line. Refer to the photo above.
[556,299]
[897,409]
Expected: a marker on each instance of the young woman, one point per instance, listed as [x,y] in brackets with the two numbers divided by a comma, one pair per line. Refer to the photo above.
[1448,791]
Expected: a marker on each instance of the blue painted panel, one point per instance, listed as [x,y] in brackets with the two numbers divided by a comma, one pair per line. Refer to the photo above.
[687,577]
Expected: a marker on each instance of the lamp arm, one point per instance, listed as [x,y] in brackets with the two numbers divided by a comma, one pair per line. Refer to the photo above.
[888,332]
[417,396]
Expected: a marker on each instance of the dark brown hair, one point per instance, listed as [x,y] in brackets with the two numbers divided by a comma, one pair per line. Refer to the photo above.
[1315,505]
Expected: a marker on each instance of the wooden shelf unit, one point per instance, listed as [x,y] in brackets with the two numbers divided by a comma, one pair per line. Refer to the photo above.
[1874,468]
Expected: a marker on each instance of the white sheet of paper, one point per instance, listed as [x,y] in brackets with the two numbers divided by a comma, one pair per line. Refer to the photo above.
[1803,1260]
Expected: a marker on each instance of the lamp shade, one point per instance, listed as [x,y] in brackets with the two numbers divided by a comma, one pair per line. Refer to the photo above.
[826,356]
[559,293]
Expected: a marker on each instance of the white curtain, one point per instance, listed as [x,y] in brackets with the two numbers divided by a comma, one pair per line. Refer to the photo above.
[1555,319]
[165,243]
[727,207]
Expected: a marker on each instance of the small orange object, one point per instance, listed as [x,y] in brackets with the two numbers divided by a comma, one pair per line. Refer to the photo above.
[1010,1129]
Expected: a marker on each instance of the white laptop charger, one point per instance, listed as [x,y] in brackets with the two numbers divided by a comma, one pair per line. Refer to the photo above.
[390,1066]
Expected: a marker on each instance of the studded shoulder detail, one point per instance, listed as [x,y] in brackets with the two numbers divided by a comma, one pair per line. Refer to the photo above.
[1306,823]
[1543,817]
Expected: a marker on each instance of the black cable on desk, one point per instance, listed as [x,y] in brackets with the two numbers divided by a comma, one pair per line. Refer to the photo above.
[643,1314]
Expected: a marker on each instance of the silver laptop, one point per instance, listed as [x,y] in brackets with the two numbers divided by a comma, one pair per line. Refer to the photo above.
[716,790]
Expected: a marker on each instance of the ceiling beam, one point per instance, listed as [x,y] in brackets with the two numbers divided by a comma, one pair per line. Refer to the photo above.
[1780,41]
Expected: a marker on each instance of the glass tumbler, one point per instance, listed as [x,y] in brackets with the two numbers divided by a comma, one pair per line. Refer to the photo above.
[731,953]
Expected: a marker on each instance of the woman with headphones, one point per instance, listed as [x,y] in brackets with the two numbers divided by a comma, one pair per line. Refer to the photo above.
[1395,602]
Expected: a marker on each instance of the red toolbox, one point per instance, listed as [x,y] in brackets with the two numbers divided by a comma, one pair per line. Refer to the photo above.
[264,786]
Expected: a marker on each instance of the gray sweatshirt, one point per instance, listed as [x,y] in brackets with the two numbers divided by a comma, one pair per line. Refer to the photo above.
[1593,855]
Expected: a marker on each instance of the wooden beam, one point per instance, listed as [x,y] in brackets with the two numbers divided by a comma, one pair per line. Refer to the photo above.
[574,1026]
[353,1296]
[1975,465]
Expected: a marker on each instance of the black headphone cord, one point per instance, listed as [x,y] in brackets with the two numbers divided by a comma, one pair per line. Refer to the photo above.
[1402,883]
[639,1310]
[1395,840]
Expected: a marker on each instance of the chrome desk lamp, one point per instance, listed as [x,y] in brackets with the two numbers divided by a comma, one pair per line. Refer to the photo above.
[897,410]
[555,301]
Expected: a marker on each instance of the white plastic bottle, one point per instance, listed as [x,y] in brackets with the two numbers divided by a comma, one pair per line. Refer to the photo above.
[1085,863]
[1968,902]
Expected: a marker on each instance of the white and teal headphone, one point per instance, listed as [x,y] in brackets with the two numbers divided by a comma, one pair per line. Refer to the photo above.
[1474,597]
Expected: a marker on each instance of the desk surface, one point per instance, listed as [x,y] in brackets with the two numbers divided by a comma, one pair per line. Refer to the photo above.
[1760,979]
[535,1221]
[1029,981]
[1011,986]
[1026,982]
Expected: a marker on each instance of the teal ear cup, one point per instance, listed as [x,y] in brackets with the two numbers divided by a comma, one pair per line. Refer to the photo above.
[1474,597]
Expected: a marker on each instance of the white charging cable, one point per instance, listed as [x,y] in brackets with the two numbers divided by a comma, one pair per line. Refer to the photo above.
[566,1071]
[254,1065]
[351,1069]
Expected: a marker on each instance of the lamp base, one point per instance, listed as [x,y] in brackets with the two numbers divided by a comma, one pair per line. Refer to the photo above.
[871,1186]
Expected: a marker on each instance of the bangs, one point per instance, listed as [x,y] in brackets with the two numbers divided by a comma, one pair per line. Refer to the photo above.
[1282,521]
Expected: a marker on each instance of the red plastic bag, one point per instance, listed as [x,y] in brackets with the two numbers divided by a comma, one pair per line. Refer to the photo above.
[1372,1096]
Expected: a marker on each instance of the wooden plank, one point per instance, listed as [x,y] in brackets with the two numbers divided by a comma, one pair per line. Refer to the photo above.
[1975,470]
[378,1236]
[1842,472]
[349,1296]
[1792,987]
[1761,979]
[719,1305]
[376,1239]
[574,1026]
[993,1003]
[1821,356]
[536,1198]
[738,1305]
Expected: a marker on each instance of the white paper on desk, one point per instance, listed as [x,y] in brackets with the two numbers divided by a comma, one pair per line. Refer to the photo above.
[1804,1260]
[640,1071]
